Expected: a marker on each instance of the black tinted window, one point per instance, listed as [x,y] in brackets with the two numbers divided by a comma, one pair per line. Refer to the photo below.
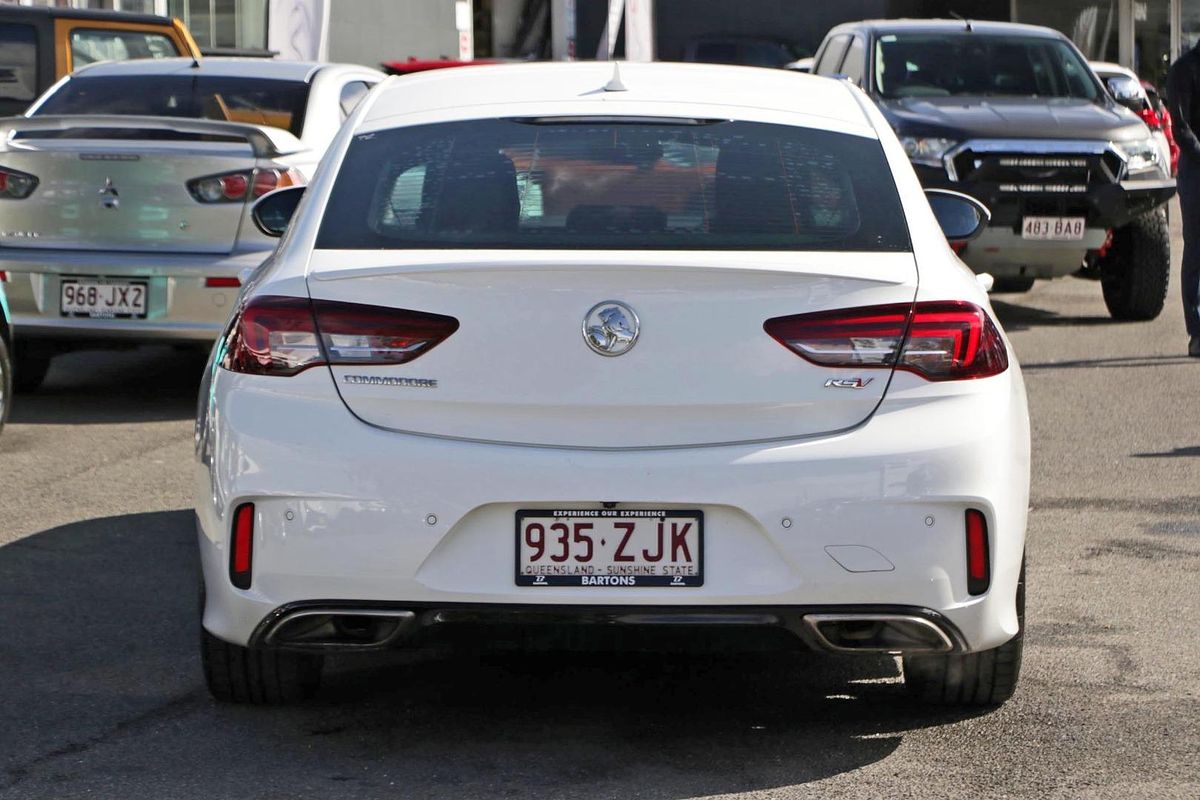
[942,64]
[514,184]
[277,103]
[18,62]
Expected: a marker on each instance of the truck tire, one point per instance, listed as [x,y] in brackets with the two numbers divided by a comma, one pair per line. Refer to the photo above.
[1013,285]
[237,674]
[986,678]
[1135,271]
[29,369]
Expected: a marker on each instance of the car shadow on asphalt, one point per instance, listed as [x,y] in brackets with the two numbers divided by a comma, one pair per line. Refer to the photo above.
[1019,317]
[103,688]
[146,384]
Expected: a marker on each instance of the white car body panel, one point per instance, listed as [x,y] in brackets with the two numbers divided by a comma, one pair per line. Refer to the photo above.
[350,511]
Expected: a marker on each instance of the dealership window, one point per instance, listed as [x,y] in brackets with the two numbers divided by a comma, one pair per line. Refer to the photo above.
[1095,26]
[240,24]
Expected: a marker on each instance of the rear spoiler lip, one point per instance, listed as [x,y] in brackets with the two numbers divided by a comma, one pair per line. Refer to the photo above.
[267,142]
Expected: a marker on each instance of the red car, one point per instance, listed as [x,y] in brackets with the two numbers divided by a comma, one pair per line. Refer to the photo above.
[421,65]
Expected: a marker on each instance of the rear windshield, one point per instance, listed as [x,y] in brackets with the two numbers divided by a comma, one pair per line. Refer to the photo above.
[942,64]
[277,103]
[614,185]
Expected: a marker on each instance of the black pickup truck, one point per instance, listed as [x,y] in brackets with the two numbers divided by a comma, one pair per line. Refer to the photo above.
[1014,116]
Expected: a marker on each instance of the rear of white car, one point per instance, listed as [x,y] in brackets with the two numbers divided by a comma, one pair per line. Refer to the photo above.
[678,349]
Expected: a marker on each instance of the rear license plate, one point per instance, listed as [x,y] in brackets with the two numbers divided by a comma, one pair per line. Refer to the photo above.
[103,299]
[1059,229]
[610,547]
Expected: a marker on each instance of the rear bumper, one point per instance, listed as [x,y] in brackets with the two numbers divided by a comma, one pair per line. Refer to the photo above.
[340,626]
[180,307]
[1002,252]
[349,513]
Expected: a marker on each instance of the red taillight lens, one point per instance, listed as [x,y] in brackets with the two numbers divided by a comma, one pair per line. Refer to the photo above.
[978,563]
[16,185]
[241,550]
[940,341]
[3,276]
[285,335]
[273,336]
[268,180]
[1151,118]
[233,187]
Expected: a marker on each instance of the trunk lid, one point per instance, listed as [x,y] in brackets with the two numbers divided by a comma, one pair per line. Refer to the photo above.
[702,369]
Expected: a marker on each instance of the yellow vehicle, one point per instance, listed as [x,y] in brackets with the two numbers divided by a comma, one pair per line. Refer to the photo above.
[40,45]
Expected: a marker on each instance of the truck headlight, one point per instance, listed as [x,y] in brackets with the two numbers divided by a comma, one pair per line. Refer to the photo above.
[1140,154]
[926,150]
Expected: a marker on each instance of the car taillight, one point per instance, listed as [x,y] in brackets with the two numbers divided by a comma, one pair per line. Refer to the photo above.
[940,341]
[285,335]
[1151,118]
[16,185]
[233,187]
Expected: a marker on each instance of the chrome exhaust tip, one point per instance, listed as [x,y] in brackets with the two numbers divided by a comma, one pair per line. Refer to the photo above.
[339,629]
[877,633]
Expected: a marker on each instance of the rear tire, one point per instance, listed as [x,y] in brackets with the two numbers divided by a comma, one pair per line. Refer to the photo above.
[237,674]
[6,382]
[29,369]
[1137,268]
[1012,285]
[986,678]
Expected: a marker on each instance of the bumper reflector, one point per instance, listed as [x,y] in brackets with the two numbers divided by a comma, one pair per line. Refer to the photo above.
[241,549]
[222,283]
[978,564]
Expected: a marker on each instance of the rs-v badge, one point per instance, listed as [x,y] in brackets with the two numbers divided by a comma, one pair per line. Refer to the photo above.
[848,383]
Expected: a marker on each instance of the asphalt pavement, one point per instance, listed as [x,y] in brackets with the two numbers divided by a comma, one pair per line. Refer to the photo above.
[101,693]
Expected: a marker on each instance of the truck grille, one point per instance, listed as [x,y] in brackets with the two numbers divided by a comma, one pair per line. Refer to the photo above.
[1038,173]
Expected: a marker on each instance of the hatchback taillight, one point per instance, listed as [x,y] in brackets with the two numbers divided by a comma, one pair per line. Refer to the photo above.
[940,341]
[284,335]
[234,187]
[15,185]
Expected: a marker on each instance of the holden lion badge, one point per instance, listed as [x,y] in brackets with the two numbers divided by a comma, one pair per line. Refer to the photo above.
[611,328]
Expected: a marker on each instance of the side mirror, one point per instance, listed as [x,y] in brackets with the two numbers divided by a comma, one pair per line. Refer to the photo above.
[274,210]
[1125,91]
[961,216]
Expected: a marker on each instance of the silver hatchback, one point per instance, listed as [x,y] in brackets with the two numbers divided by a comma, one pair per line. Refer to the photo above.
[125,195]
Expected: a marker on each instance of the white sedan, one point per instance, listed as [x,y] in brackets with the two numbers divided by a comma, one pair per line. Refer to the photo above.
[553,344]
